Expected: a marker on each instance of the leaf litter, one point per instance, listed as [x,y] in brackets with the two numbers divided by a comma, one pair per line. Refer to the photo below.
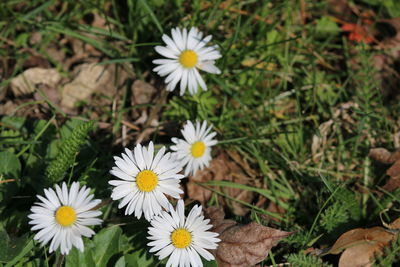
[382,155]
[222,168]
[242,245]
[360,246]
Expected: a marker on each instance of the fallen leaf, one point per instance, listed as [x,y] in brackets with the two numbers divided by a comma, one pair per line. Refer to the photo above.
[142,92]
[359,256]
[394,225]
[361,245]
[358,33]
[384,156]
[242,245]
[91,78]
[221,169]
[377,235]
[26,82]
[242,163]
[8,107]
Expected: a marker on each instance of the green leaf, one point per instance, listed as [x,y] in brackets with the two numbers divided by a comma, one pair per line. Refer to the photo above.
[22,40]
[326,26]
[19,258]
[121,262]
[209,263]
[13,249]
[138,259]
[10,167]
[14,122]
[106,244]
[78,259]
[393,7]
[98,251]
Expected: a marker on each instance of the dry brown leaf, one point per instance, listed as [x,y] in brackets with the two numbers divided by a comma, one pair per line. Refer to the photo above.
[242,245]
[26,82]
[384,156]
[242,163]
[221,169]
[377,235]
[91,78]
[358,256]
[8,107]
[142,92]
[360,245]
[394,225]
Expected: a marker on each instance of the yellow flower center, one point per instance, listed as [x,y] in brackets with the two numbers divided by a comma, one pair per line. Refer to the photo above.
[65,216]
[181,238]
[188,58]
[198,149]
[146,181]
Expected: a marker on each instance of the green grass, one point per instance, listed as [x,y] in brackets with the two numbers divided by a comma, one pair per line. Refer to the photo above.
[280,81]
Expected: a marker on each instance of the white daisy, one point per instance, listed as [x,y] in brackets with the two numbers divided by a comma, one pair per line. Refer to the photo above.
[195,150]
[186,53]
[63,217]
[182,238]
[145,180]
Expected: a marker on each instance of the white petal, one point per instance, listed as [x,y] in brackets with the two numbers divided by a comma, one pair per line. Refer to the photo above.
[166,52]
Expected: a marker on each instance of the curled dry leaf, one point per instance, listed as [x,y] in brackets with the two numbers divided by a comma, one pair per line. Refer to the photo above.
[394,225]
[242,245]
[360,245]
[384,156]
[26,82]
[222,169]
[377,235]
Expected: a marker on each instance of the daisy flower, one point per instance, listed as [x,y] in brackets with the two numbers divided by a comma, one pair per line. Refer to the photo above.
[186,54]
[63,215]
[182,238]
[145,180]
[195,150]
